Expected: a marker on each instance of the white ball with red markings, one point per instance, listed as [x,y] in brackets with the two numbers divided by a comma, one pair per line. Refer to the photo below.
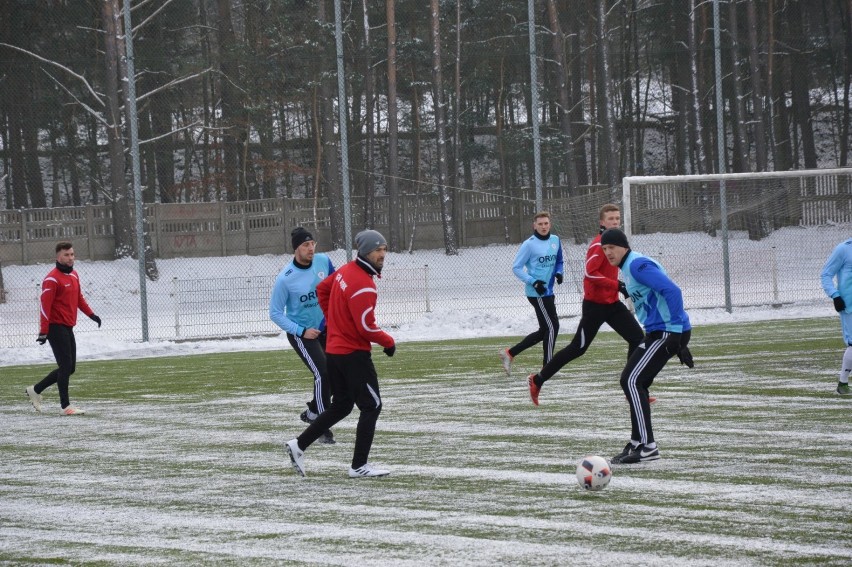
[593,472]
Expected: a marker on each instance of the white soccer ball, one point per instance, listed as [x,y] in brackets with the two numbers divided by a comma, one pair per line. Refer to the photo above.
[593,472]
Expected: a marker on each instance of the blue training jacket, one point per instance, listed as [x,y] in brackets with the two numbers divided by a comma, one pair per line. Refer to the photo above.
[839,264]
[538,259]
[294,306]
[657,299]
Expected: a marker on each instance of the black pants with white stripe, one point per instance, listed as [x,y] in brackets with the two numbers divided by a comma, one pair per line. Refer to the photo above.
[548,328]
[642,367]
[312,353]
[354,382]
[616,315]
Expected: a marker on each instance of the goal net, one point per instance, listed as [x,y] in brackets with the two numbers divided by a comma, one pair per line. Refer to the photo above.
[749,229]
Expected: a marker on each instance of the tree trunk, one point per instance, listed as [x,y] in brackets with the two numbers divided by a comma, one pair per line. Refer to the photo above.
[231,133]
[119,194]
[695,134]
[607,138]
[575,113]
[800,83]
[440,134]
[370,126]
[741,159]
[69,131]
[328,94]
[565,103]
[758,113]
[395,243]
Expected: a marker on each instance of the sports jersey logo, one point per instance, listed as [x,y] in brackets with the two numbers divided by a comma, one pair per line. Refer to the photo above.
[546,259]
[321,275]
[308,296]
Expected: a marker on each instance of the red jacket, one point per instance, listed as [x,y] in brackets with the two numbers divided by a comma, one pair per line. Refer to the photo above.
[348,299]
[60,299]
[600,282]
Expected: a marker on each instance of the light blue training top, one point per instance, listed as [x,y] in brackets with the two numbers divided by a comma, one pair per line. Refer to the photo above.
[538,259]
[657,299]
[839,265]
[294,306]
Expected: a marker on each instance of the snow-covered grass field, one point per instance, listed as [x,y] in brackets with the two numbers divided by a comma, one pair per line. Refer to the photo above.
[180,460]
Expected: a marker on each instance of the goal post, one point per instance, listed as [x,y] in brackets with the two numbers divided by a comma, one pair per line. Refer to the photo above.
[748,223]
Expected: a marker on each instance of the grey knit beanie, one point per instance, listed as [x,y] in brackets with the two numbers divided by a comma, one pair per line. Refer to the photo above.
[368,240]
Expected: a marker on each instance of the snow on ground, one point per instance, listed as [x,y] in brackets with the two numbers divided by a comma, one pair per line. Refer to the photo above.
[422,296]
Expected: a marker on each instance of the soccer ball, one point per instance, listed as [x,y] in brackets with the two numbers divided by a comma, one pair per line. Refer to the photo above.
[593,472]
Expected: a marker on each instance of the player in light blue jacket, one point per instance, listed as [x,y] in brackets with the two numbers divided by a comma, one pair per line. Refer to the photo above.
[538,264]
[659,307]
[295,308]
[839,267]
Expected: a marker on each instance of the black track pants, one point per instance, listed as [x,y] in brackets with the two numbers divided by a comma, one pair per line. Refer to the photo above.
[548,328]
[353,383]
[64,346]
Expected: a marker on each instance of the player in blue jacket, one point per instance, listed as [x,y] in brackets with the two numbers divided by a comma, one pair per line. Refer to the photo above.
[839,267]
[538,264]
[295,308]
[659,307]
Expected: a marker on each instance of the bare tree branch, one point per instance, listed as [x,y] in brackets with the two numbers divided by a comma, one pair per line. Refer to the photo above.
[55,64]
[172,83]
[152,16]
[167,134]
[85,106]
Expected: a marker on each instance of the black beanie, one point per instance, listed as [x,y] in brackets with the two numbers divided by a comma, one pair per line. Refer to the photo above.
[614,236]
[299,236]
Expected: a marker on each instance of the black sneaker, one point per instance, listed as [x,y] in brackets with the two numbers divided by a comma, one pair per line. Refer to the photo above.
[304,417]
[624,452]
[328,438]
[638,455]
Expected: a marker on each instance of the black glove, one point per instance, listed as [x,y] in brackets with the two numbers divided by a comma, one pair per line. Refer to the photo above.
[839,304]
[540,287]
[672,344]
[559,279]
[96,319]
[622,289]
[685,357]
[390,350]
[41,339]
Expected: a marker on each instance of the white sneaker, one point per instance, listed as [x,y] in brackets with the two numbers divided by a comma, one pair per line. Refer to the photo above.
[366,471]
[71,410]
[297,456]
[506,359]
[35,399]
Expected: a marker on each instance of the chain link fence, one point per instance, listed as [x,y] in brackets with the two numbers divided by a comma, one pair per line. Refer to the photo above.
[227,296]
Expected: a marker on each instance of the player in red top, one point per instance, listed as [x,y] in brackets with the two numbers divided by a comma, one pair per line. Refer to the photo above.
[60,299]
[600,305]
[348,299]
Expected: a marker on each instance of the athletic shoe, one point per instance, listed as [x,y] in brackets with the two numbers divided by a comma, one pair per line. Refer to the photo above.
[534,390]
[297,456]
[624,452]
[367,471]
[328,438]
[506,359]
[71,410]
[308,416]
[842,389]
[35,399]
[638,455]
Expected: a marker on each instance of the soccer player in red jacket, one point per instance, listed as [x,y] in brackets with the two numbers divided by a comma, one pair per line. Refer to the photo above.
[600,305]
[60,299]
[348,299]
